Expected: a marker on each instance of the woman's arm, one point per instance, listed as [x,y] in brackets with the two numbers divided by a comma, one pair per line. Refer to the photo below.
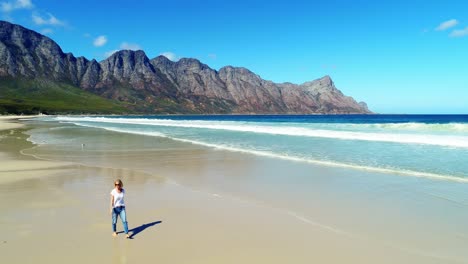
[111,204]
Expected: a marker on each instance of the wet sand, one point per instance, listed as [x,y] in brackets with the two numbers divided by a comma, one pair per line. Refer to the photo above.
[13,165]
[188,204]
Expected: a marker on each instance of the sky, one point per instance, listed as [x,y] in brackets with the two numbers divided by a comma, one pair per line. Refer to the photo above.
[400,57]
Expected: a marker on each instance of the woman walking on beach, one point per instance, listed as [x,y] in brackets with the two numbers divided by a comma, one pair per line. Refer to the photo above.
[117,207]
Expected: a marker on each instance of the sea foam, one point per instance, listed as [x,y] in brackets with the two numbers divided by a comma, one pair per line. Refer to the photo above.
[262,153]
[457,141]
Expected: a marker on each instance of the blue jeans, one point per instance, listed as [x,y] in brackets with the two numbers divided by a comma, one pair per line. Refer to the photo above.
[123,216]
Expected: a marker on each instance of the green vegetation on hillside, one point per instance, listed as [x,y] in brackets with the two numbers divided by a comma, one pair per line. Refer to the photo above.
[26,96]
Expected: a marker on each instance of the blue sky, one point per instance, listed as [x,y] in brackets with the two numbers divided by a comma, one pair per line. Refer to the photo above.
[398,56]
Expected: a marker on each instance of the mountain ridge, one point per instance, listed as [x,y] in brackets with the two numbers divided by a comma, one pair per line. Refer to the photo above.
[142,85]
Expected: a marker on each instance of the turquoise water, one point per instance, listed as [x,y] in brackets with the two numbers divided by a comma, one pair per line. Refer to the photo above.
[434,146]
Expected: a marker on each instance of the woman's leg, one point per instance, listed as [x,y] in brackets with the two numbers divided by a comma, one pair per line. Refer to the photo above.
[123,217]
[114,220]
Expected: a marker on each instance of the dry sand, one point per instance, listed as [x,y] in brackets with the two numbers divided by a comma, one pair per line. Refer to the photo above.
[9,122]
[57,212]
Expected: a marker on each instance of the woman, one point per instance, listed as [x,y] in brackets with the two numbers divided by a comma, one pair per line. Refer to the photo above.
[117,207]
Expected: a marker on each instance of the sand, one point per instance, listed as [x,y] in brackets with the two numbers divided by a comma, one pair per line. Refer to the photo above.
[12,168]
[9,122]
[192,205]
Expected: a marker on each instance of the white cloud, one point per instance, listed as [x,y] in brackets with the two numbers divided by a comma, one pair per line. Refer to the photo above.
[6,7]
[51,20]
[459,32]
[18,4]
[129,46]
[329,66]
[47,31]
[446,25]
[100,41]
[212,56]
[171,56]
[24,4]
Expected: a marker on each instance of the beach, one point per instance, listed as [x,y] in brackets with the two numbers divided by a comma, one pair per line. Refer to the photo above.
[189,203]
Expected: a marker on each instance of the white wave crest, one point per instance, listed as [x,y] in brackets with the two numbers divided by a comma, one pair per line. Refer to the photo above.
[402,172]
[420,127]
[458,141]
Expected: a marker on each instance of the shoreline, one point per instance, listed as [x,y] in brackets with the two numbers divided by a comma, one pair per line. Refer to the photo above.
[14,166]
[9,122]
[401,172]
[13,121]
[212,206]
[247,114]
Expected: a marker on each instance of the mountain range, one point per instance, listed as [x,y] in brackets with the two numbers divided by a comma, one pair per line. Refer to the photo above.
[37,76]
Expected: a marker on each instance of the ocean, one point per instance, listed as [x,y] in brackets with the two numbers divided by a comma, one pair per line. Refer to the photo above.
[432,146]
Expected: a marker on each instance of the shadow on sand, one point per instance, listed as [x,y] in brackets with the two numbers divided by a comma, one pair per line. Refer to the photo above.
[135,231]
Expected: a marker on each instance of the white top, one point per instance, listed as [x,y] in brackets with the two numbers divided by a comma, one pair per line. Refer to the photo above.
[118,197]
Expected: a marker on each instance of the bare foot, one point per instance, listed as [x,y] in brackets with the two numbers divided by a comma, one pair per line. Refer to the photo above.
[127,236]
[114,234]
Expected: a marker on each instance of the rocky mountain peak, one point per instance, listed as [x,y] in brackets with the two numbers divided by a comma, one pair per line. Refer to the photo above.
[160,85]
[128,56]
[325,80]
[321,85]
[190,63]
[163,60]
[231,70]
[39,55]
[127,66]
[240,70]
